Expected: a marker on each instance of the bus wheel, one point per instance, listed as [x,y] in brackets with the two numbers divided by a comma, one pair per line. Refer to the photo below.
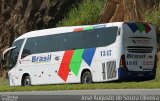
[27,81]
[86,78]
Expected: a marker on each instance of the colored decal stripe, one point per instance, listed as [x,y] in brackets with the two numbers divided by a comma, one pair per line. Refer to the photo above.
[88,28]
[76,61]
[88,55]
[64,67]
[147,28]
[140,26]
[133,27]
[78,29]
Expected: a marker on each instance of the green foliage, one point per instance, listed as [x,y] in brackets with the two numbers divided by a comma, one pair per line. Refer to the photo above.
[156,2]
[153,16]
[88,12]
[3,82]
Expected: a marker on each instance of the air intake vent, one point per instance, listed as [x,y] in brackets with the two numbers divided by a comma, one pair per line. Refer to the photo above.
[109,68]
[139,49]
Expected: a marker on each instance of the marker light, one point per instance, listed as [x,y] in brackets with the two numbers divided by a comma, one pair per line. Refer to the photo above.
[88,28]
[98,26]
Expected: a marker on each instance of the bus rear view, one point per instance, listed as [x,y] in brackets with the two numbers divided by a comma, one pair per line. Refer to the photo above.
[139,53]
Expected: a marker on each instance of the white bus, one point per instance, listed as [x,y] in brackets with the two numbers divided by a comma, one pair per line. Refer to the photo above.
[84,54]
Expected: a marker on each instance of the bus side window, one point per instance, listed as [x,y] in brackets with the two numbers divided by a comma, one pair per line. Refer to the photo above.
[25,53]
[29,48]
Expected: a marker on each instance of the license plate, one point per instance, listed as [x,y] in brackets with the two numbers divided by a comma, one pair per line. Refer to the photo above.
[140,74]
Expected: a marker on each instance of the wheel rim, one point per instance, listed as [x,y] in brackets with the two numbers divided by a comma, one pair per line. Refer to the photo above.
[87,79]
[27,82]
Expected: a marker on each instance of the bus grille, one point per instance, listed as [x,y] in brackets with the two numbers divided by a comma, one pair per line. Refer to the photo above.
[109,68]
[140,49]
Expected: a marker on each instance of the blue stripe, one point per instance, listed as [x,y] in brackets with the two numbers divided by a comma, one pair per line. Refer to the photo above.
[133,27]
[88,55]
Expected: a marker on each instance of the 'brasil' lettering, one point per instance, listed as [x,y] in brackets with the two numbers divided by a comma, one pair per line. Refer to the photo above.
[37,59]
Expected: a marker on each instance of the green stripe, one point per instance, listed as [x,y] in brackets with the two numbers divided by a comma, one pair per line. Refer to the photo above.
[76,61]
[141,27]
[88,28]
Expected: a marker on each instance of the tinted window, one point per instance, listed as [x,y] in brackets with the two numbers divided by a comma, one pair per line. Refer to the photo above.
[73,40]
[51,43]
[30,47]
[92,38]
[14,53]
[44,44]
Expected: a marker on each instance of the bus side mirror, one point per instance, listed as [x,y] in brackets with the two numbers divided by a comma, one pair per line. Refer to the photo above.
[7,50]
[2,62]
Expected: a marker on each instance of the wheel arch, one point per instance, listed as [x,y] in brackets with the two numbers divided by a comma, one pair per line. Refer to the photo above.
[83,71]
[23,76]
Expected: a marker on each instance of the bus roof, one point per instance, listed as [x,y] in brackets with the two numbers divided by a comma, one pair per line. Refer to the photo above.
[59,30]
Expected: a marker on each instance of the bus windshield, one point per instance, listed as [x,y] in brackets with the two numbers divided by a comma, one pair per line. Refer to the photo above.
[14,53]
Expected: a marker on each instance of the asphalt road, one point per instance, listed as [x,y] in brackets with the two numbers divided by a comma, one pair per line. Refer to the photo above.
[84,95]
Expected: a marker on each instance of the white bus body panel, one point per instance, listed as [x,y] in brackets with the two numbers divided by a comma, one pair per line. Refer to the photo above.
[140,48]
[46,72]
[104,62]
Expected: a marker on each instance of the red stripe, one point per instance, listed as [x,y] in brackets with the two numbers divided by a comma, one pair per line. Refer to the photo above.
[64,67]
[77,29]
[147,28]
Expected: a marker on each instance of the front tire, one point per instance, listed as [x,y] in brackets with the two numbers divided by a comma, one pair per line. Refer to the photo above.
[27,81]
[86,78]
